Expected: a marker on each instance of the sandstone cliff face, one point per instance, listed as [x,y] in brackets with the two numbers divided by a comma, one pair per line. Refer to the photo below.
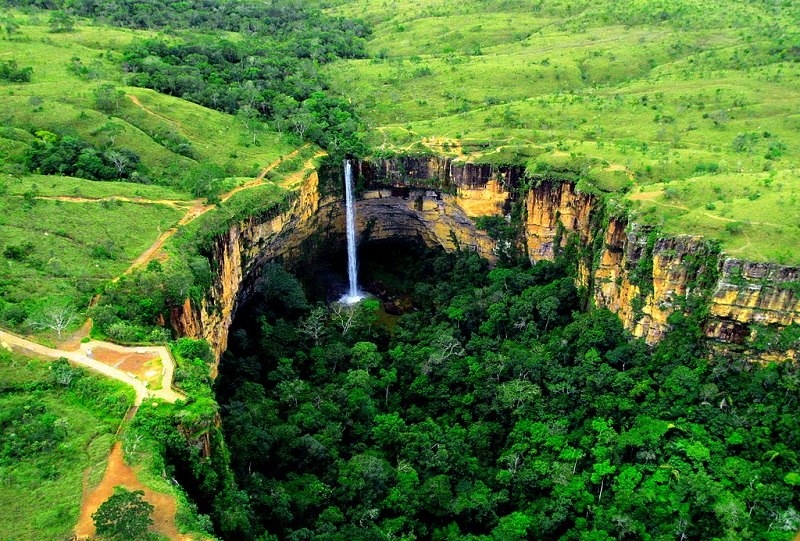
[236,259]
[437,172]
[667,272]
[747,292]
[435,219]
[640,277]
[552,210]
[432,217]
[479,189]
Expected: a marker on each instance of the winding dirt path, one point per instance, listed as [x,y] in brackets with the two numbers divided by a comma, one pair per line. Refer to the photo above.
[298,176]
[199,208]
[118,473]
[125,364]
[84,357]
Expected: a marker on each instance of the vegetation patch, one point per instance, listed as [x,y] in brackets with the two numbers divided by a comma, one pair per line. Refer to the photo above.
[57,424]
[62,252]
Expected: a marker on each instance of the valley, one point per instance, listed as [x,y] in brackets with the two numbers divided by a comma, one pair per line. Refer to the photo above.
[577,229]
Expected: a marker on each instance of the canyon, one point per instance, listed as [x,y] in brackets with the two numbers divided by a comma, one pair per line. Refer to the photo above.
[625,267]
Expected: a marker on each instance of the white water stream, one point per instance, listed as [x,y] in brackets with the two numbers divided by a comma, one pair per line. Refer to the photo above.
[353,294]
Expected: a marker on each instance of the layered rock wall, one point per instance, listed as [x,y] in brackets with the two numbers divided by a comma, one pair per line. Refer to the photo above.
[748,293]
[643,278]
[553,211]
[309,228]
[236,259]
[640,276]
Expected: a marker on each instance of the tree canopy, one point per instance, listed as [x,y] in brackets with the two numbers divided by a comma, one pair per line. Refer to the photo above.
[496,409]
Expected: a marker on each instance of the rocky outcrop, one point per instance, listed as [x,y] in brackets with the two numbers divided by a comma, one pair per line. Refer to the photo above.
[308,229]
[643,277]
[554,211]
[236,259]
[627,269]
[433,218]
[479,189]
[753,293]
[438,172]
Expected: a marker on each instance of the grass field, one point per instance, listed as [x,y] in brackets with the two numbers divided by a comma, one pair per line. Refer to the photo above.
[61,437]
[630,94]
[68,67]
[63,251]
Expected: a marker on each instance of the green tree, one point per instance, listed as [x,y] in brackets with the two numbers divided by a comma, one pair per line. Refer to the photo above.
[125,515]
[107,98]
[61,21]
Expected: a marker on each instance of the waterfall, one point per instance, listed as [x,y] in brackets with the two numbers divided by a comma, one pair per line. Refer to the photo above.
[353,295]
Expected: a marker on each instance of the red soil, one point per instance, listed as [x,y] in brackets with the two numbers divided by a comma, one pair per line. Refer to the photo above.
[120,474]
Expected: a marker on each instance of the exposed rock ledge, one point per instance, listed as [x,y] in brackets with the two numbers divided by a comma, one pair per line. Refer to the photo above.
[439,214]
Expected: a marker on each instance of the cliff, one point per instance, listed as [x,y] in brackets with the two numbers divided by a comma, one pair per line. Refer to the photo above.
[237,257]
[314,224]
[630,270]
[753,293]
[643,277]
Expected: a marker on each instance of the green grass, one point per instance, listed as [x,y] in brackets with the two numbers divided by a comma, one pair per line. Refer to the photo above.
[40,493]
[70,249]
[53,186]
[59,100]
[756,215]
[629,94]
[201,232]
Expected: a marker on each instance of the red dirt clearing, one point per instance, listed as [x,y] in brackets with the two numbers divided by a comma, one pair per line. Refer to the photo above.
[128,362]
[120,474]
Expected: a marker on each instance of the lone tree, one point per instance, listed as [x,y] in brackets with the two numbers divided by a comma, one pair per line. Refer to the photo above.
[56,317]
[125,515]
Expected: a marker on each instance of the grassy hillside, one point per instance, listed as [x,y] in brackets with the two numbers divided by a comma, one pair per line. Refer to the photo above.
[57,428]
[672,98]
[61,237]
[69,67]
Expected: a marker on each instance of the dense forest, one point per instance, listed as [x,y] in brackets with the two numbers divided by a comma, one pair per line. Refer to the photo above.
[494,408]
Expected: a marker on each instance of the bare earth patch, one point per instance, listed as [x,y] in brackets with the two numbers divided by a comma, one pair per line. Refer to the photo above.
[145,366]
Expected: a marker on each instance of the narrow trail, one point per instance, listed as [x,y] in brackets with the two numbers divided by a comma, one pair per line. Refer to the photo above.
[118,473]
[298,176]
[259,180]
[137,103]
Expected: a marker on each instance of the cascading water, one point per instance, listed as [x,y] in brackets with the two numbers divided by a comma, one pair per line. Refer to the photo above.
[353,295]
